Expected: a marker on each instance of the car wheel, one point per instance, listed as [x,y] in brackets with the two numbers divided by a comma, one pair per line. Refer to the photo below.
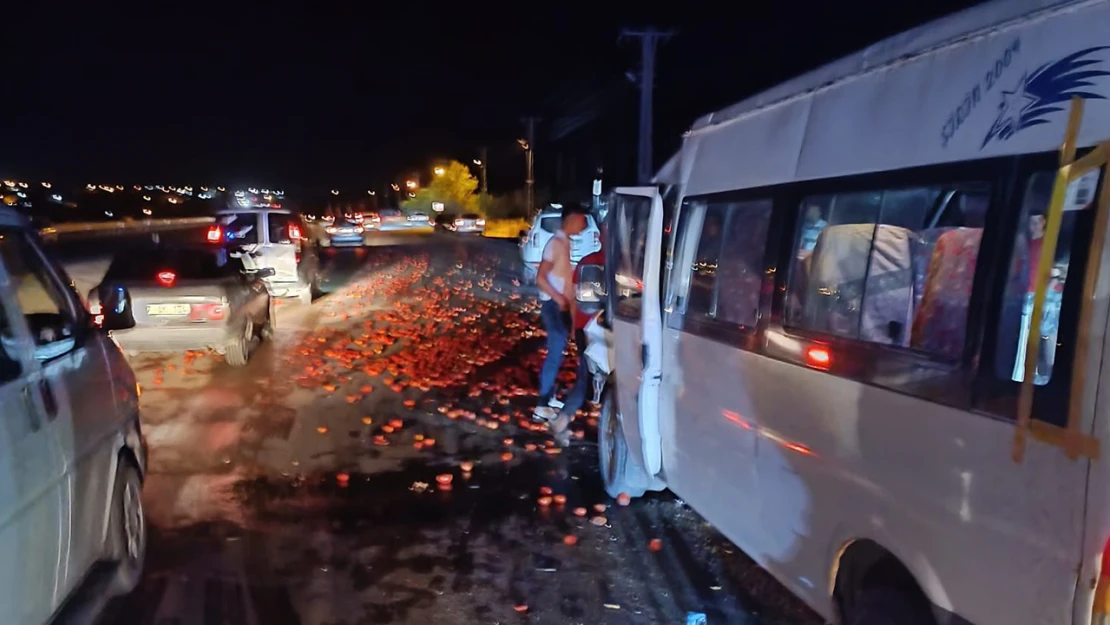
[888,605]
[620,472]
[127,529]
[239,347]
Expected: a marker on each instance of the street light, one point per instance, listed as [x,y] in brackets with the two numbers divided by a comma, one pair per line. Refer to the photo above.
[478,162]
[410,184]
[370,192]
[335,192]
[395,187]
[439,171]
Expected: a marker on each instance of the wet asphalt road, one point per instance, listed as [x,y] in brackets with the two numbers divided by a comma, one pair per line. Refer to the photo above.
[308,487]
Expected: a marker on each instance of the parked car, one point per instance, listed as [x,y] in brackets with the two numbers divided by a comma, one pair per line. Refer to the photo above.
[72,528]
[544,226]
[343,234]
[392,219]
[275,239]
[185,299]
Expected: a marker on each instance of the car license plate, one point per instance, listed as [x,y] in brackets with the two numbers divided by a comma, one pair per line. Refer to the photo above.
[160,310]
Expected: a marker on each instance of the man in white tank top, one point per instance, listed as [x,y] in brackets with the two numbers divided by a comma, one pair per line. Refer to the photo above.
[555,279]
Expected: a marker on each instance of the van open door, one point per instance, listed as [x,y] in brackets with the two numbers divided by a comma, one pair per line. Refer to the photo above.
[634,251]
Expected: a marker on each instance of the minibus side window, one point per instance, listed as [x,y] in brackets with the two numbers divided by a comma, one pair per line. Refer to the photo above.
[1014,328]
[867,266]
[740,271]
[704,268]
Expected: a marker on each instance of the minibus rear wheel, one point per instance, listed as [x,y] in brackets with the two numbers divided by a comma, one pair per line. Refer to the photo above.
[888,605]
[620,471]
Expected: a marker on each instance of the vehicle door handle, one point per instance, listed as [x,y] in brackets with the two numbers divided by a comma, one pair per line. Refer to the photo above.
[643,355]
[32,410]
[49,401]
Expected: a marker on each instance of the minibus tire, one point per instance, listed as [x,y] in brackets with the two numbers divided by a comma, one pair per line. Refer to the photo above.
[620,472]
[129,566]
[888,605]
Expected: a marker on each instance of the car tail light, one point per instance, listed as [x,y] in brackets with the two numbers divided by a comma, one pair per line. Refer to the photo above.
[97,312]
[481,222]
[294,232]
[297,256]
[818,357]
[207,312]
[166,278]
[215,234]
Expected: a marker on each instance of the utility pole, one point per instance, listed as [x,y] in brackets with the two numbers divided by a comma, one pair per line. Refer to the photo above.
[482,163]
[529,145]
[649,38]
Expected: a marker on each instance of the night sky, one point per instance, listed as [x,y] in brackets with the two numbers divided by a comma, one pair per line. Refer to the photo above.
[296,94]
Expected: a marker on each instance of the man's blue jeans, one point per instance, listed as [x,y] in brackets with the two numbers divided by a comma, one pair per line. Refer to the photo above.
[556,324]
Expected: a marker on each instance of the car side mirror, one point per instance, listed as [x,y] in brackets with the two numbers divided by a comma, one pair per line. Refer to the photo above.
[115,308]
[266,272]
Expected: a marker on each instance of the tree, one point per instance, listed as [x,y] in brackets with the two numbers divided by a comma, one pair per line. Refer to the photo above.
[456,187]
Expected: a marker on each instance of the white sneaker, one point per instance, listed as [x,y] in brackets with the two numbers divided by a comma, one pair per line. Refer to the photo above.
[544,413]
[555,403]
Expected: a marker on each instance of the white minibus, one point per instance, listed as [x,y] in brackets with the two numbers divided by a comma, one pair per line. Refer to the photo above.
[822,321]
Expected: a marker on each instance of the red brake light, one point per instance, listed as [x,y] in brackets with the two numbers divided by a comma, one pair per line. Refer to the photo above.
[215,234]
[294,232]
[166,278]
[297,256]
[818,357]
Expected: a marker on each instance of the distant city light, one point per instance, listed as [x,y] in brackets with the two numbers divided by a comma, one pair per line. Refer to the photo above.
[22,195]
[91,187]
[252,190]
[437,207]
[46,185]
[147,211]
[204,188]
[370,192]
[119,187]
[23,184]
[410,184]
[146,197]
[56,197]
[439,171]
[174,200]
[109,213]
[221,189]
[395,187]
[136,187]
[335,192]
[411,194]
[478,162]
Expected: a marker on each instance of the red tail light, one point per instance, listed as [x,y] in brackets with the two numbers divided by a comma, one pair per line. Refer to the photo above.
[166,278]
[211,312]
[297,257]
[97,311]
[818,357]
[294,232]
[215,234]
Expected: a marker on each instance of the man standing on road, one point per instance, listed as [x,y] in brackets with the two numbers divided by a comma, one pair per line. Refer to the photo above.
[557,296]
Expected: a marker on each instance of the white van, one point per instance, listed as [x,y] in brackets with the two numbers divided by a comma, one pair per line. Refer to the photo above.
[544,226]
[829,356]
[275,239]
[72,457]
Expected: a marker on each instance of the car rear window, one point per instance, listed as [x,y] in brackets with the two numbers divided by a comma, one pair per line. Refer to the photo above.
[551,223]
[240,228]
[143,266]
[283,227]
